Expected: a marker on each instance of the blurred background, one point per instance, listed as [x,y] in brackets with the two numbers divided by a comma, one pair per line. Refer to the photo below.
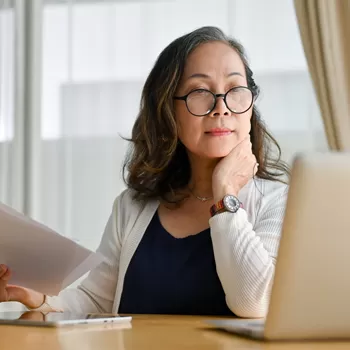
[74,70]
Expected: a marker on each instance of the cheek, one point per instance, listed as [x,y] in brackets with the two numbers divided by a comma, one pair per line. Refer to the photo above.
[190,129]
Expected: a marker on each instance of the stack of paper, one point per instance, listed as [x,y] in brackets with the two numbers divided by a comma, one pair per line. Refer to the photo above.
[38,257]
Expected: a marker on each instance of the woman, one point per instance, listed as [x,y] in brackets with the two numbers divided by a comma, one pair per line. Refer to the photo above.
[197,230]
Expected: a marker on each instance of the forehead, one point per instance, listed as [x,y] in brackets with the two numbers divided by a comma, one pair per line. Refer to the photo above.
[213,58]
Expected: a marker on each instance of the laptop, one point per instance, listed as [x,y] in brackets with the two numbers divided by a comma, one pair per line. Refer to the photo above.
[58,319]
[310,297]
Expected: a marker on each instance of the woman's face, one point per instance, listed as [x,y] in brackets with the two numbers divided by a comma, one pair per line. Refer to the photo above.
[216,67]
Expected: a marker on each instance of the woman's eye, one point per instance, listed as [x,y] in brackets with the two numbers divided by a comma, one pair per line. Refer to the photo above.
[200,91]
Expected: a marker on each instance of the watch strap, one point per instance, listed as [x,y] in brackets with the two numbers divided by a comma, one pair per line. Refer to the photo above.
[219,207]
[214,209]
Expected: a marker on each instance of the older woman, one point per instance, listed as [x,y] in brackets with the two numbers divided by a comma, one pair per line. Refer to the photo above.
[198,228]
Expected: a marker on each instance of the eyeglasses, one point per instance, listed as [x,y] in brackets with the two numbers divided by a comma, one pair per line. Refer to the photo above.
[201,102]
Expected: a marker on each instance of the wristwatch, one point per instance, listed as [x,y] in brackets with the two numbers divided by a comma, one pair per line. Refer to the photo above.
[229,203]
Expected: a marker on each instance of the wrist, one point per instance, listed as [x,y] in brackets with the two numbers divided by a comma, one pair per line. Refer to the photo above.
[219,194]
[229,203]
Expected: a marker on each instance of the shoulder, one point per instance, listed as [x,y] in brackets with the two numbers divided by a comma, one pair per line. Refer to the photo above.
[266,190]
[127,199]
[272,189]
[127,209]
[261,197]
[126,205]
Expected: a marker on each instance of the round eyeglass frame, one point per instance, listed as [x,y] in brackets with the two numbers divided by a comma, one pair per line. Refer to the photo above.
[184,98]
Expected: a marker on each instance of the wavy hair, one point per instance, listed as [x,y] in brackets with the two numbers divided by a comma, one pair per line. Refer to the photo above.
[157,164]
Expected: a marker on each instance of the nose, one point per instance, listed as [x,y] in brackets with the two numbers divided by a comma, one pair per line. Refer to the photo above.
[220,108]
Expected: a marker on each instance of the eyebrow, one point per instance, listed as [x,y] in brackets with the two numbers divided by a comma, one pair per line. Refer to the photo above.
[206,76]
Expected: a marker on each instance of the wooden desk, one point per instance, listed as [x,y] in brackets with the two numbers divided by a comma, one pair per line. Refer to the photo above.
[146,333]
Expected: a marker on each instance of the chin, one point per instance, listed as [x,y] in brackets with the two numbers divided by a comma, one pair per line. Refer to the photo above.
[218,153]
[212,150]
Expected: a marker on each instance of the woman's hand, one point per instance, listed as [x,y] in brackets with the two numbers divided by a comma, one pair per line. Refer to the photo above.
[30,298]
[234,171]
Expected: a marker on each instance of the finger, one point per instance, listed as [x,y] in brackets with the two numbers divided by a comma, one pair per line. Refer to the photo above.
[2,270]
[246,149]
[246,141]
[256,168]
[250,165]
[2,285]
[243,142]
[15,293]
[247,144]
[28,297]
[242,149]
[3,292]
[5,272]
[249,148]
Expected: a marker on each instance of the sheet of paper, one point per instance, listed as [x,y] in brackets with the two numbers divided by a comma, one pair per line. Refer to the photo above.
[38,257]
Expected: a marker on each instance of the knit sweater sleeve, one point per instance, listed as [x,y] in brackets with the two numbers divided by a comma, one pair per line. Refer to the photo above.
[96,292]
[245,256]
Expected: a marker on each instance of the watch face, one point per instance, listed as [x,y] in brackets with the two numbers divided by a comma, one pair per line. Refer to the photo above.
[231,203]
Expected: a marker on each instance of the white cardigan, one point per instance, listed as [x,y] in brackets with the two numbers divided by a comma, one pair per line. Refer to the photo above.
[245,248]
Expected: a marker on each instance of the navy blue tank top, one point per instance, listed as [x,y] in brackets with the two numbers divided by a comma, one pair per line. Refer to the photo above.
[169,275]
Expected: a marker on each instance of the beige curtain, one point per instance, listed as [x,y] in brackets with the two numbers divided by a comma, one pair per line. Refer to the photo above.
[325,31]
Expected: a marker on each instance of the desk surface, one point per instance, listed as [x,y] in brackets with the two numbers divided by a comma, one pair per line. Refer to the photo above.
[146,333]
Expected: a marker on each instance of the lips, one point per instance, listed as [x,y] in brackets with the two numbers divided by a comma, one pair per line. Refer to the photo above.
[219,132]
